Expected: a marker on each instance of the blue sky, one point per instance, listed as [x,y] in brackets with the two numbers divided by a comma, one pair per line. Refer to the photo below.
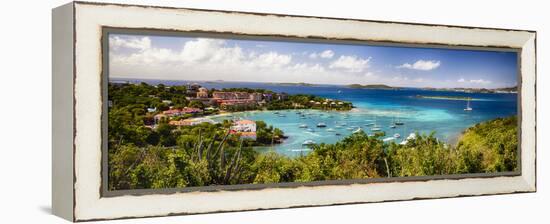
[191,58]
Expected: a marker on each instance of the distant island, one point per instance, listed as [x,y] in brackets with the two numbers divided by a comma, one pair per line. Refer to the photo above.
[446,97]
[293,84]
[513,89]
[458,89]
[371,86]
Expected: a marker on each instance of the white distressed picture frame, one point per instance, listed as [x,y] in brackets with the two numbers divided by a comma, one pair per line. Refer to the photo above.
[78,109]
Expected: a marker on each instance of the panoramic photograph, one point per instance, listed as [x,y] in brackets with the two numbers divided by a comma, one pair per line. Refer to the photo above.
[188,111]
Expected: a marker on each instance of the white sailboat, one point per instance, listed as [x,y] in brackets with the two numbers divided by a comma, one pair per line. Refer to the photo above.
[397,121]
[308,142]
[468,108]
[375,127]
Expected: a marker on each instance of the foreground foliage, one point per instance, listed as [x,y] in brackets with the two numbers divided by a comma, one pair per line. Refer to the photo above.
[207,155]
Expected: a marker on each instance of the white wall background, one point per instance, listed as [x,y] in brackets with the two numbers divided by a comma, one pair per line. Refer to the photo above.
[25,112]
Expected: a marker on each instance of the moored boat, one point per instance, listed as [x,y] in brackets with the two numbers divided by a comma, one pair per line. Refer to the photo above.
[388,139]
[308,142]
[468,108]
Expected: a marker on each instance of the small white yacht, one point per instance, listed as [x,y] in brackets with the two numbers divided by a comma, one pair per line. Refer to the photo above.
[308,142]
[321,125]
[396,135]
[388,139]
[303,126]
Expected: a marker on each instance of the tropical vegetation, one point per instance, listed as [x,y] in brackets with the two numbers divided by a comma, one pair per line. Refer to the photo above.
[207,154]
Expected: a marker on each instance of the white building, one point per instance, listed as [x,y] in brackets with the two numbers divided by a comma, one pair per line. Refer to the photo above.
[244,126]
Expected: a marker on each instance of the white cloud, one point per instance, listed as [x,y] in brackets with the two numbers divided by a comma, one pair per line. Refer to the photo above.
[422,65]
[350,63]
[205,59]
[214,59]
[473,82]
[480,81]
[271,59]
[132,43]
[327,54]
[205,49]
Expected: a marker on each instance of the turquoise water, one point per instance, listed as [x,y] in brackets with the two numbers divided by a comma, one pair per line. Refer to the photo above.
[446,118]
[342,124]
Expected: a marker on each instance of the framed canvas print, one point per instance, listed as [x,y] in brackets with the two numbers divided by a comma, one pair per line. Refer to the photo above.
[168,111]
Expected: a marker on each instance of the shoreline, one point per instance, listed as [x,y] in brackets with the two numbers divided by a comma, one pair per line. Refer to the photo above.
[501,90]
[460,98]
[229,113]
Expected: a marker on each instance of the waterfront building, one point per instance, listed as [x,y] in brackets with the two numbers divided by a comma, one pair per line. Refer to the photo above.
[202,93]
[226,104]
[177,112]
[255,97]
[191,122]
[268,97]
[191,110]
[244,126]
[231,95]
[172,112]
[282,96]
[192,89]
